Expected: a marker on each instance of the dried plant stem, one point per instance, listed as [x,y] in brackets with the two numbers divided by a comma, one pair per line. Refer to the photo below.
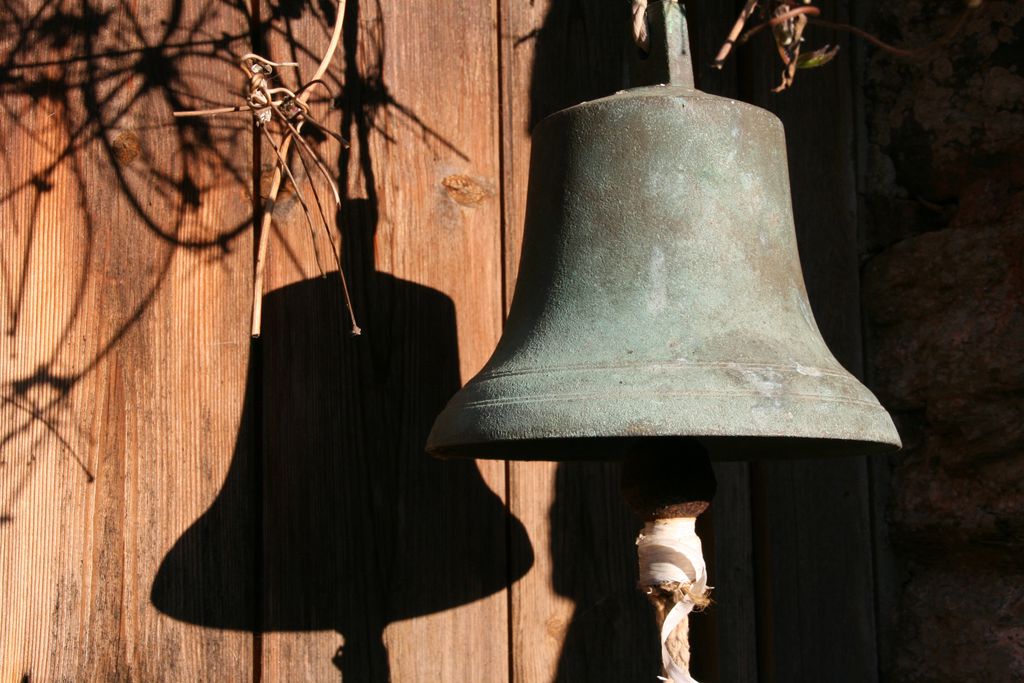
[905,53]
[208,112]
[776,20]
[275,187]
[741,21]
[283,163]
[810,15]
[305,145]
[323,219]
[877,42]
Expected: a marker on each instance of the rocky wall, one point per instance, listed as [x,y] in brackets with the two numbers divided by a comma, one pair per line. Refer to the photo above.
[943,292]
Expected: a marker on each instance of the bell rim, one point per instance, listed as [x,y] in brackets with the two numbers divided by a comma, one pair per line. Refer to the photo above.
[733,447]
[823,413]
[720,448]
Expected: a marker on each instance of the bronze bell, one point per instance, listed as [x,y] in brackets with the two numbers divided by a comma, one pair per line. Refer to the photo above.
[660,292]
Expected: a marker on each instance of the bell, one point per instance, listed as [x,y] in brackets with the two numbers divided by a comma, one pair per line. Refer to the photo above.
[660,292]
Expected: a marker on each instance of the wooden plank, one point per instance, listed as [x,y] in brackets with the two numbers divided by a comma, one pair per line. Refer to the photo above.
[724,637]
[123,355]
[814,550]
[577,615]
[379,562]
[539,614]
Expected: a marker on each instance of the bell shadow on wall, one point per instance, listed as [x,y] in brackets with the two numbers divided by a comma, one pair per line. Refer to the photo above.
[612,636]
[360,528]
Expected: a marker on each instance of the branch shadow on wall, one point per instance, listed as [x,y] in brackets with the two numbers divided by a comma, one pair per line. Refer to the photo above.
[86,91]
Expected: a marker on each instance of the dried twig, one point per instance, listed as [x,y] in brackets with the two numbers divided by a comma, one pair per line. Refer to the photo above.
[291,111]
[788,30]
[788,24]
[906,53]
[737,28]
[780,19]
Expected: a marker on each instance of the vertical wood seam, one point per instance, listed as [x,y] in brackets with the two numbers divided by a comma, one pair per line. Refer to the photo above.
[502,163]
[761,557]
[855,109]
[256,373]
[761,560]
[499,26]
[856,16]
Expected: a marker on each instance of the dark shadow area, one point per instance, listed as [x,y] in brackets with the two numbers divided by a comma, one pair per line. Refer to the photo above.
[359,527]
[613,635]
[580,54]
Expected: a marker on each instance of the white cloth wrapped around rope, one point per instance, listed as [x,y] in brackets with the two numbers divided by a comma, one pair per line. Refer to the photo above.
[669,551]
[640,23]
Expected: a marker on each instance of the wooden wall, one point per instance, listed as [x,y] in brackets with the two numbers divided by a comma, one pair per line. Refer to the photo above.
[180,503]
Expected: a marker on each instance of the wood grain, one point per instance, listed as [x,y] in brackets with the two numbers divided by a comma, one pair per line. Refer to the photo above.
[178,505]
[123,355]
[369,544]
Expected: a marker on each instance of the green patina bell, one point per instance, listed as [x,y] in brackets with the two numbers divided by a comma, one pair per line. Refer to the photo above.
[660,291]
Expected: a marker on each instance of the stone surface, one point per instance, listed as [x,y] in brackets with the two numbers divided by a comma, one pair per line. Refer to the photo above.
[953,111]
[943,291]
[974,630]
[943,307]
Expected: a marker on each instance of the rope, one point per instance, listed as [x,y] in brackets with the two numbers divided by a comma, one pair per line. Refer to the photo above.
[672,562]
[640,35]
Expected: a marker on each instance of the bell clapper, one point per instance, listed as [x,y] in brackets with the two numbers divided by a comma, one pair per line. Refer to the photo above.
[668,483]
